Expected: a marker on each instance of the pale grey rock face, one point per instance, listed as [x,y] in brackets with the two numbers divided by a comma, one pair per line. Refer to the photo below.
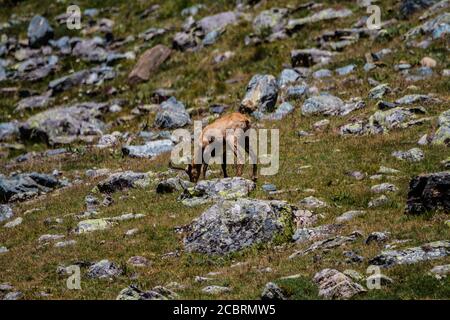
[230,226]
[428,251]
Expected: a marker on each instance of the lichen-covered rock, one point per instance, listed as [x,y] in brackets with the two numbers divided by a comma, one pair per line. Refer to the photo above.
[440,272]
[124,180]
[6,212]
[272,292]
[442,134]
[66,124]
[149,150]
[436,27]
[104,269]
[428,251]
[173,184]
[302,235]
[206,191]
[326,14]
[412,155]
[270,21]
[91,225]
[39,31]
[323,104]
[26,185]
[384,187]
[336,285]
[230,226]
[157,293]
[383,121]
[428,192]
[172,115]
[261,94]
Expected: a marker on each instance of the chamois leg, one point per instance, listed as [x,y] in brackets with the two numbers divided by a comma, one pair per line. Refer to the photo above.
[204,169]
[251,155]
[224,165]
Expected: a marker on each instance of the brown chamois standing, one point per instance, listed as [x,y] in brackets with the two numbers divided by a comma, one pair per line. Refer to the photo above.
[218,130]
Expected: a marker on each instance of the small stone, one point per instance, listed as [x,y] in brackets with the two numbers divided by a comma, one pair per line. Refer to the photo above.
[312,203]
[378,237]
[412,155]
[14,223]
[384,187]
[350,215]
[104,269]
[440,272]
[378,202]
[131,232]
[428,62]
[215,290]
[6,212]
[138,261]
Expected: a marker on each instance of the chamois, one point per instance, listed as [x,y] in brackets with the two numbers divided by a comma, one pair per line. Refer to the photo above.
[218,130]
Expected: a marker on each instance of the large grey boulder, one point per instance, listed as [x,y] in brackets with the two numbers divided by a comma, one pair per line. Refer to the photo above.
[66,124]
[26,185]
[39,31]
[207,191]
[149,150]
[336,285]
[172,115]
[261,94]
[429,192]
[230,226]
[428,251]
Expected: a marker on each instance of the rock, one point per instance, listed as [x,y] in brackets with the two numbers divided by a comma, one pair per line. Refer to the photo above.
[206,191]
[14,223]
[96,75]
[149,150]
[378,237]
[384,187]
[321,125]
[272,292]
[172,115]
[379,91]
[230,226]
[386,170]
[62,244]
[322,73]
[34,102]
[104,269]
[326,14]
[50,237]
[3,249]
[91,50]
[215,290]
[157,293]
[416,98]
[148,63]
[327,244]
[346,70]
[217,21]
[6,213]
[173,184]
[261,94]
[123,180]
[8,130]
[352,257]
[14,295]
[442,134]
[66,124]
[349,215]
[311,57]
[280,112]
[270,21]
[26,185]
[138,261]
[378,202]
[313,234]
[382,279]
[429,192]
[428,62]
[409,7]
[39,32]
[336,285]
[324,104]
[428,251]
[131,232]
[312,203]
[440,272]
[412,155]
[269,187]
[91,225]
